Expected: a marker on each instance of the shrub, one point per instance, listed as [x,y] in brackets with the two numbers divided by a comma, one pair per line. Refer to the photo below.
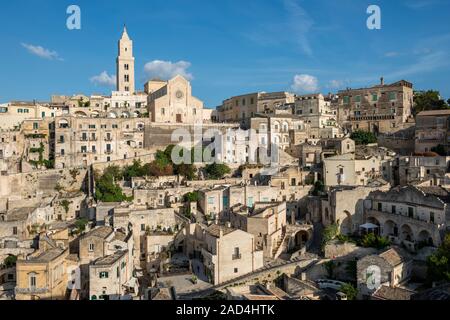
[216,171]
[350,291]
[371,240]
[363,137]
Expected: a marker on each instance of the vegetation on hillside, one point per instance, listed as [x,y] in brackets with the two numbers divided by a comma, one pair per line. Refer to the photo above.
[439,262]
[363,137]
[429,100]
[217,171]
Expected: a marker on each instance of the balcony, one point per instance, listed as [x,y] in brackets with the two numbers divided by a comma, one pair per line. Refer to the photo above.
[108,152]
[108,139]
[84,139]
[31,290]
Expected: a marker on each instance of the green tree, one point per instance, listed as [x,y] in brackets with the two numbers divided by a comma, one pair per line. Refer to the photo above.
[351,269]
[363,137]
[329,267]
[371,240]
[217,171]
[440,150]
[439,262]
[428,100]
[106,187]
[191,197]
[135,170]
[10,261]
[81,224]
[186,170]
[350,291]
[318,188]
[329,233]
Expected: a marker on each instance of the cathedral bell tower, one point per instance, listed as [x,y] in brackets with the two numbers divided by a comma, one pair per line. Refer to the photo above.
[125,64]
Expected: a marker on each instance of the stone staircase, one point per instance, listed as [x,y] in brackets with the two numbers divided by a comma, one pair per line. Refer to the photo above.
[280,246]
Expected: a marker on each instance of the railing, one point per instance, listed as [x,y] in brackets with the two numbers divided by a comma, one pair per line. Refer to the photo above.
[108,139]
[31,290]
[108,152]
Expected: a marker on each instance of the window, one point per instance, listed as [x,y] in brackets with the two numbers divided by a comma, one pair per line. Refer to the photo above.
[374,97]
[432,217]
[392,96]
[32,280]
[236,270]
[210,200]
[127,67]
[346,99]
[126,78]
[63,152]
[91,247]
[358,99]
[394,209]
[410,212]
[380,206]
[3,110]
[236,254]
[15,231]
[163,111]
[104,275]
[142,227]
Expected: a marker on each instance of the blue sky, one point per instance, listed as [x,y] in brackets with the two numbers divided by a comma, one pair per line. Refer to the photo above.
[226,47]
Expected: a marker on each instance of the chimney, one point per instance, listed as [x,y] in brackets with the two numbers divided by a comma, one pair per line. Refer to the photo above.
[382,81]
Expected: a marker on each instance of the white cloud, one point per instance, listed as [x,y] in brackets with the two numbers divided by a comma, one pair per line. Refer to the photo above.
[42,52]
[166,70]
[391,54]
[293,27]
[336,84]
[304,83]
[104,79]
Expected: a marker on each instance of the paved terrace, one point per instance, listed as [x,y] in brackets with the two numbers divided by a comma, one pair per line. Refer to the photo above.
[266,272]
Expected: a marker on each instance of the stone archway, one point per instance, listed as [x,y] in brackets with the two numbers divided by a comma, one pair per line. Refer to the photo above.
[390,229]
[406,233]
[347,223]
[424,237]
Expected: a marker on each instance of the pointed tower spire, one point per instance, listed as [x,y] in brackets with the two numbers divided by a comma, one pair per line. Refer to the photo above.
[125,33]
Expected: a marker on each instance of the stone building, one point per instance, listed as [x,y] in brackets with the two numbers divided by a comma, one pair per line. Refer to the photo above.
[110,278]
[229,253]
[344,206]
[407,216]
[391,268]
[415,169]
[172,101]
[85,141]
[385,108]
[42,276]
[432,130]
[266,221]
[350,170]
[15,112]
[242,108]
[316,111]
[278,130]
